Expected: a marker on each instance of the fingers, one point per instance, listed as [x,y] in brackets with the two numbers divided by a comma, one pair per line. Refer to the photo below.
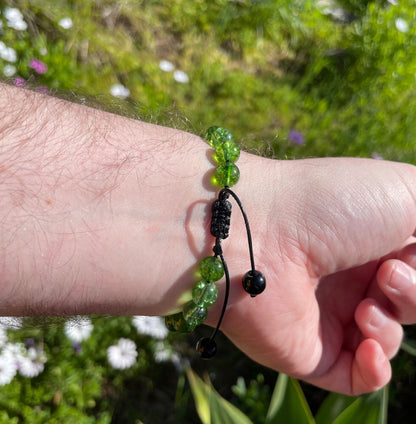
[365,367]
[371,368]
[397,280]
[366,370]
[377,324]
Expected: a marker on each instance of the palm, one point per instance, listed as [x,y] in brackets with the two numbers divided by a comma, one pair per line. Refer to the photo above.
[301,331]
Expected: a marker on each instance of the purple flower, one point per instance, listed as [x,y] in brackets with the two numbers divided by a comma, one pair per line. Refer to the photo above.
[30,342]
[43,89]
[77,347]
[38,66]
[377,156]
[296,138]
[19,82]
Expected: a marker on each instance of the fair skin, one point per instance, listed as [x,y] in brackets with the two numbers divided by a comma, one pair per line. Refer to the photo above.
[104,214]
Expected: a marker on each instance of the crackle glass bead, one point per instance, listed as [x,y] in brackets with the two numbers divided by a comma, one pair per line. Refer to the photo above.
[227,152]
[204,293]
[226,175]
[194,314]
[211,268]
[217,135]
[177,322]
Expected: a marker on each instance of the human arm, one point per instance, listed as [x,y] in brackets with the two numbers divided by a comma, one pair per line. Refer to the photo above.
[103,214]
[94,209]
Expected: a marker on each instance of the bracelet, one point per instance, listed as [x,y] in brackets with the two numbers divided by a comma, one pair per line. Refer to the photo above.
[213,268]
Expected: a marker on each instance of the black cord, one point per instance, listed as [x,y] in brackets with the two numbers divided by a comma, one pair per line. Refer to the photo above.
[226,295]
[250,242]
[218,252]
[253,281]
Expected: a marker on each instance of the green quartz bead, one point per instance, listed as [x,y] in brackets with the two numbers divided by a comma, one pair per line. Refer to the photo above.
[226,175]
[217,135]
[177,322]
[194,314]
[227,152]
[204,293]
[211,268]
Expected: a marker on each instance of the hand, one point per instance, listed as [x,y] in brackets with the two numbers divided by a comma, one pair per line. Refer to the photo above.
[339,259]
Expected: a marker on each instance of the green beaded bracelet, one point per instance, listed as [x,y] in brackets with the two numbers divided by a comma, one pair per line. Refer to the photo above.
[213,268]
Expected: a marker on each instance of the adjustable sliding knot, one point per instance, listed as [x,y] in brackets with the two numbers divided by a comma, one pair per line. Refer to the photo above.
[213,268]
[221,216]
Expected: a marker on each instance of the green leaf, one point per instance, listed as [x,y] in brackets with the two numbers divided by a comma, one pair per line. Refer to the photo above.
[200,391]
[211,407]
[369,409]
[332,406]
[288,404]
[223,412]
[384,405]
[409,346]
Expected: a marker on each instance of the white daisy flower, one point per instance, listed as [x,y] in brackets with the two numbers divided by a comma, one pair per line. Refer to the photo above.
[166,66]
[163,354]
[7,369]
[7,53]
[12,14]
[9,70]
[78,329]
[12,323]
[14,18]
[66,23]
[122,355]
[152,326]
[33,364]
[401,25]
[180,76]
[118,90]
[16,351]
[18,25]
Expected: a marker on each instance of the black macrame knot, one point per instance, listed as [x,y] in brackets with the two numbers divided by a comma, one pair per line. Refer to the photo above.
[221,216]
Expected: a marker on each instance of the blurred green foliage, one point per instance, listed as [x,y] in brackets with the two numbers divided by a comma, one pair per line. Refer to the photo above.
[78,385]
[265,67]
[341,74]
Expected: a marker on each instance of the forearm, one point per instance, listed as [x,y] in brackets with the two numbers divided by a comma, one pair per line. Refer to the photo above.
[98,213]
[104,214]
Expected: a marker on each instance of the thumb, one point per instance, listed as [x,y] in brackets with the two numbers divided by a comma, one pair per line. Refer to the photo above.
[347,211]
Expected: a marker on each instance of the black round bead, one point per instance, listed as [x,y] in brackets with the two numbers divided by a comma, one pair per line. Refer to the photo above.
[254,282]
[207,348]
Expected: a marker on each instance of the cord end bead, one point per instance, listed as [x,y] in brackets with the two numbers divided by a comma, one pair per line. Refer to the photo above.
[207,348]
[254,282]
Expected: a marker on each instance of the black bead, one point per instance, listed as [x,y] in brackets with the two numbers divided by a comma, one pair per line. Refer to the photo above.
[254,282]
[207,348]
